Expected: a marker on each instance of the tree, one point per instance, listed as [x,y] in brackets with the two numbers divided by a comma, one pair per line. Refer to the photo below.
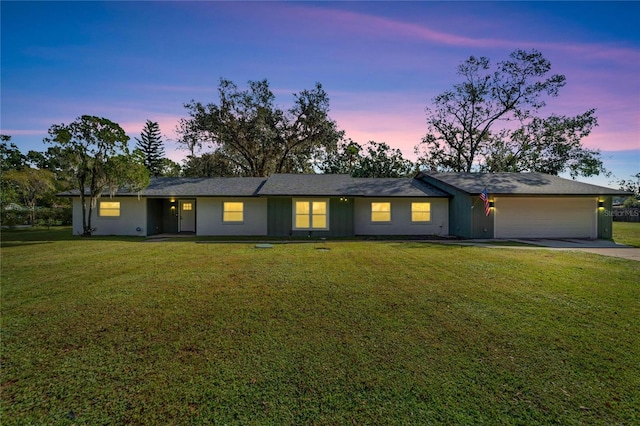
[10,156]
[343,160]
[380,160]
[210,164]
[49,159]
[631,185]
[547,145]
[95,153]
[461,123]
[376,159]
[256,136]
[20,183]
[10,159]
[33,185]
[170,168]
[151,145]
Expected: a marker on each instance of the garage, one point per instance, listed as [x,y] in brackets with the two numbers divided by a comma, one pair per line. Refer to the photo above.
[546,217]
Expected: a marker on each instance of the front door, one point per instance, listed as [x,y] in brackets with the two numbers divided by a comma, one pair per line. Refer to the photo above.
[187,216]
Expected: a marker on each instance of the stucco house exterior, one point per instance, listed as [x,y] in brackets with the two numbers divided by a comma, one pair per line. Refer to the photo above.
[523,205]
[280,206]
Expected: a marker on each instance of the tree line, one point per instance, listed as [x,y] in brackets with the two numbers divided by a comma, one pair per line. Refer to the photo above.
[490,121]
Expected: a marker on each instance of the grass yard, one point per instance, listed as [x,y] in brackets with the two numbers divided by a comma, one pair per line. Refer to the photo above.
[627,233]
[121,331]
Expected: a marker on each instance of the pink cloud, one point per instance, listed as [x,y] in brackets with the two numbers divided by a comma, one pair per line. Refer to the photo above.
[24,132]
[400,129]
[175,153]
[167,123]
[399,119]
[381,27]
[606,140]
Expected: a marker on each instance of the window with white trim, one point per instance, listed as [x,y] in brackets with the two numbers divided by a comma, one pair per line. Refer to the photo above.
[109,209]
[420,212]
[233,211]
[310,214]
[381,212]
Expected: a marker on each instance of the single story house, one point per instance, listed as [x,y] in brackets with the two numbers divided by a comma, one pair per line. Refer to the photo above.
[327,205]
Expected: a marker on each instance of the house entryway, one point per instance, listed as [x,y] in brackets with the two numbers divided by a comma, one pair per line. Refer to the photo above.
[171,216]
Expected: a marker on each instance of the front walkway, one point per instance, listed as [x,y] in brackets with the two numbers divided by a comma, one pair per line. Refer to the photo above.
[601,247]
[167,237]
[571,243]
[630,253]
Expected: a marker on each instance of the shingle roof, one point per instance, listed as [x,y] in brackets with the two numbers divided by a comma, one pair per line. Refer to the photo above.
[519,184]
[220,186]
[193,187]
[392,187]
[309,185]
[330,185]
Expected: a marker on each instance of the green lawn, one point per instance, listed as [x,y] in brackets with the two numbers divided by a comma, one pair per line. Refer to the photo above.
[122,331]
[627,233]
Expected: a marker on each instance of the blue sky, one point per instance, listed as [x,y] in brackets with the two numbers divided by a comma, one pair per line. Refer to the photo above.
[380,62]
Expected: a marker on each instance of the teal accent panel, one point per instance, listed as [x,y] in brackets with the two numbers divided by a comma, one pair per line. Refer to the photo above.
[460,215]
[481,223]
[280,219]
[341,211]
[154,216]
[466,213]
[605,219]
[460,209]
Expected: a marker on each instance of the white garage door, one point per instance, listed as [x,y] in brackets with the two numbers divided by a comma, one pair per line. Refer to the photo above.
[546,217]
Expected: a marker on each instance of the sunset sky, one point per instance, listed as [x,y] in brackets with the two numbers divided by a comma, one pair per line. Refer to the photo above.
[381,63]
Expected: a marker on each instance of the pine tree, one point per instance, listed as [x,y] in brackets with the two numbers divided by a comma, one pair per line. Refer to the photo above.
[152,147]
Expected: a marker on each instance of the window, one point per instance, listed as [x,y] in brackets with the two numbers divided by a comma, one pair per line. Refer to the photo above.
[420,212]
[319,215]
[380,212]
[187,207]
[109,209]
[310,215]
[233,212]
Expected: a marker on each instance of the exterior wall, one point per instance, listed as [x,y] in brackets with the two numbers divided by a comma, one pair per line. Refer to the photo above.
[209,217]
[154,216]
[341,217]
[460,209]
[133,215]
[546,217]
[605,218]
[280,218]
[482,226]
[401,217]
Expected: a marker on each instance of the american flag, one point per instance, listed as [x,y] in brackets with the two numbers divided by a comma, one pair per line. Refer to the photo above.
[485,197]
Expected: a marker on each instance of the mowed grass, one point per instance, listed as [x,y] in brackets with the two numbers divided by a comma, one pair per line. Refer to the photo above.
[108,331]
[627,233]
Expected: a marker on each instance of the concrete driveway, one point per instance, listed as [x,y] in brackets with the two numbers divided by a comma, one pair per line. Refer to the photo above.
[602,247]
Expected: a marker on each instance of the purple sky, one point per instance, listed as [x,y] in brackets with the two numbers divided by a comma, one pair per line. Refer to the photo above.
[380,62]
